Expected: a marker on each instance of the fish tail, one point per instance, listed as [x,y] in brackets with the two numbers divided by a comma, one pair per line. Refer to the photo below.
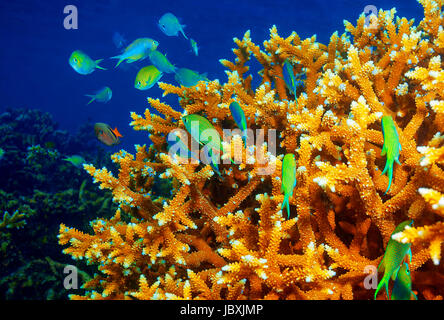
[120,60]
[285,203]
[117,133]
[91,96]
[390,175]
[244,138]
[384,282]
[97,64]
[181,30]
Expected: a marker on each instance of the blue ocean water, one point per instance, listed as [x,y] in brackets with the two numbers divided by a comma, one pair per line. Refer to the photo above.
[34,65]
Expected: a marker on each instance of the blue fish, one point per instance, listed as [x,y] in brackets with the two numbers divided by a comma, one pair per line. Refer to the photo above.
[239,117]
[292,80]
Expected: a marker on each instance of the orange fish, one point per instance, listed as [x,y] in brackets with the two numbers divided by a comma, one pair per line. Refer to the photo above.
[107,135]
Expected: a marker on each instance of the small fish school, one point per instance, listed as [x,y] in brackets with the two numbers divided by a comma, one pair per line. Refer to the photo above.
[147,76]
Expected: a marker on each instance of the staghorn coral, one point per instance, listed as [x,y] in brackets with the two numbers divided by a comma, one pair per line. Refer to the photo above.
[227,238]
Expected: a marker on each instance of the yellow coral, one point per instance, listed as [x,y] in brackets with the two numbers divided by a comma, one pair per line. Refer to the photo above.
[211,237]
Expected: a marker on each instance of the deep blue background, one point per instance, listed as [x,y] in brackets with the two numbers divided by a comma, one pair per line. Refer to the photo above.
[35,47]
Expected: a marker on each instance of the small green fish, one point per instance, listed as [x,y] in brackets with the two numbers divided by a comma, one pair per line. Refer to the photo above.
[161,62]
[205,134]
[402,289]
[169,24]
[76,160]
[194,47]
[103,95]
[288,180]
[83,64]
[2,153]
[391,147]
[394,255]
[147,77]
[189,78]
[205,130]
[239,117]
[139,49]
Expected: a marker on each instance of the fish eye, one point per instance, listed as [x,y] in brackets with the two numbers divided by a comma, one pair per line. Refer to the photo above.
[75,60]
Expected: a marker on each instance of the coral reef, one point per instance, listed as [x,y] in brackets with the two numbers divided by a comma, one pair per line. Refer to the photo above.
[39,190]
[227,237]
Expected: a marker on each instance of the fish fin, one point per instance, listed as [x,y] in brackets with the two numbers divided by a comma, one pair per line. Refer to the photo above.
[395,273]
[413,295]
[120,60]
[117,133]
[409,254]
[390,175]
[384,282]
[286,203]
[90,96]
[97,64]
[181,30]
[397,161]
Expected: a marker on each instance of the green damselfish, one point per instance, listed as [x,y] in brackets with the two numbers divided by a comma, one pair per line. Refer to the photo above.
[103,95]
[402,289]
[394,256]
[139,49]
[76,160]
[288,180]
[83,64]
[391,147]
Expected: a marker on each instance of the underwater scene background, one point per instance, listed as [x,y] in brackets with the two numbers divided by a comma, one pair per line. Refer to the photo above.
[94,206]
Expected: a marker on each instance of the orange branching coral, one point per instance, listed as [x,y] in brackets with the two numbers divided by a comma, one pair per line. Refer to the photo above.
[184,232]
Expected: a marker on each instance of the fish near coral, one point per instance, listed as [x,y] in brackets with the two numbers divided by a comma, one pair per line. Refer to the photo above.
[188,78]
[240,119]
[291,80]
[147,77]
[103,95]
[161,62]
[204,130]
[391,147]
[205,134]
[402,289]
[288,180]
[137,50]
[194,47]
[169,24]
[83,64]
[107,135]
[394,255]
[76,160]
